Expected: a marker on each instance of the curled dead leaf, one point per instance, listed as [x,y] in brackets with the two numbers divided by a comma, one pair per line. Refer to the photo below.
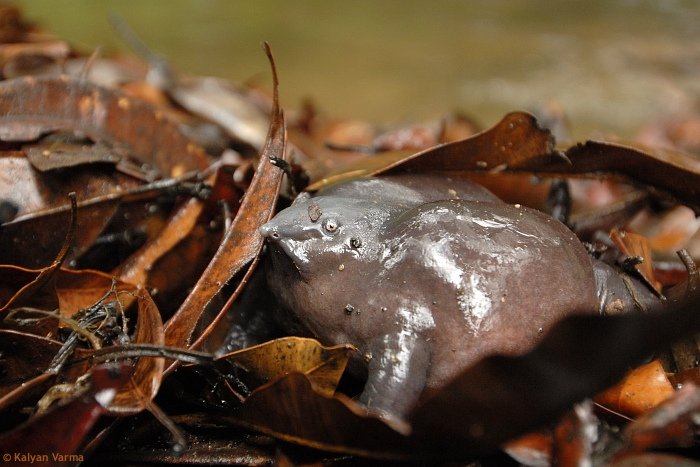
[514,141]
[670,172]
[242,241]
[633,245]
[642,389]
[81,289]
[671,421]
[322,365]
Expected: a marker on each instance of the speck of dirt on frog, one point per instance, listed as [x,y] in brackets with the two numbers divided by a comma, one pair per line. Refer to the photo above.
[349,309]
[314,211]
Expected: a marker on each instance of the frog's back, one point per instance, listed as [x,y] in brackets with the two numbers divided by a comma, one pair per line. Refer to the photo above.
[493,269]
[410,190]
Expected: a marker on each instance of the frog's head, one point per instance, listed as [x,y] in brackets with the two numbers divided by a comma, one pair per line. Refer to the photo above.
[322,233]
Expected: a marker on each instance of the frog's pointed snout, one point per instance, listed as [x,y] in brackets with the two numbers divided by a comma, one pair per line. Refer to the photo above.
[269,231]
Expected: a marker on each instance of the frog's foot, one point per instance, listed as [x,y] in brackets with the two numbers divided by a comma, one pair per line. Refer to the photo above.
[621,293]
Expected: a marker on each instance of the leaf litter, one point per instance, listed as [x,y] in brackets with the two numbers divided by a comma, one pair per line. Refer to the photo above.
[166,215]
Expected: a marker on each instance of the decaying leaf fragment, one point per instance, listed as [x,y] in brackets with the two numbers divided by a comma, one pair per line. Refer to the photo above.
[322,365]
[77,291]
[27,357]
[635,246]
[52,156]
[27,285]
[290,409]
[672,423]
[642,389]
[122,128]
[32,107]
[514,141]
[132,209]
[145,380]
[61,431]
[138,268]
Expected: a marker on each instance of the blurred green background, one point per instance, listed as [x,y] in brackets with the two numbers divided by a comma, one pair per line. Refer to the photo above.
[612,65]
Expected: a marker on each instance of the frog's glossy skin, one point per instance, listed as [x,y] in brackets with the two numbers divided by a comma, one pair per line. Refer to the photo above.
[422,284]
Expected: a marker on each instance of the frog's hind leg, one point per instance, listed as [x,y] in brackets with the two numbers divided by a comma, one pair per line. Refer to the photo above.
[397,374]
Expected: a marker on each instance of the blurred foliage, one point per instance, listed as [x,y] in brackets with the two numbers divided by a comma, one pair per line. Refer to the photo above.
[614,65]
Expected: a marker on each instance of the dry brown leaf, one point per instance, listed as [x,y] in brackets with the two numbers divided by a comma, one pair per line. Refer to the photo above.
[242,242]
[61,431]
[631,244]
[52,156]
[20,286]
[136,268]
[322,365]
[36,234]
[172,260]
[25,356]
[34,106]
[642,389]
[672,423]
[290,409]
[78,290]
[514,141]
[674,173]
[147,374]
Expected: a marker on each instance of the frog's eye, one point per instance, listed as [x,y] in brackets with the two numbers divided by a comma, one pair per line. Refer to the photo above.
[330,225]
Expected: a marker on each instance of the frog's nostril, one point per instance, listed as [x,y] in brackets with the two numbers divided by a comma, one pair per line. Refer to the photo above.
[268,231]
